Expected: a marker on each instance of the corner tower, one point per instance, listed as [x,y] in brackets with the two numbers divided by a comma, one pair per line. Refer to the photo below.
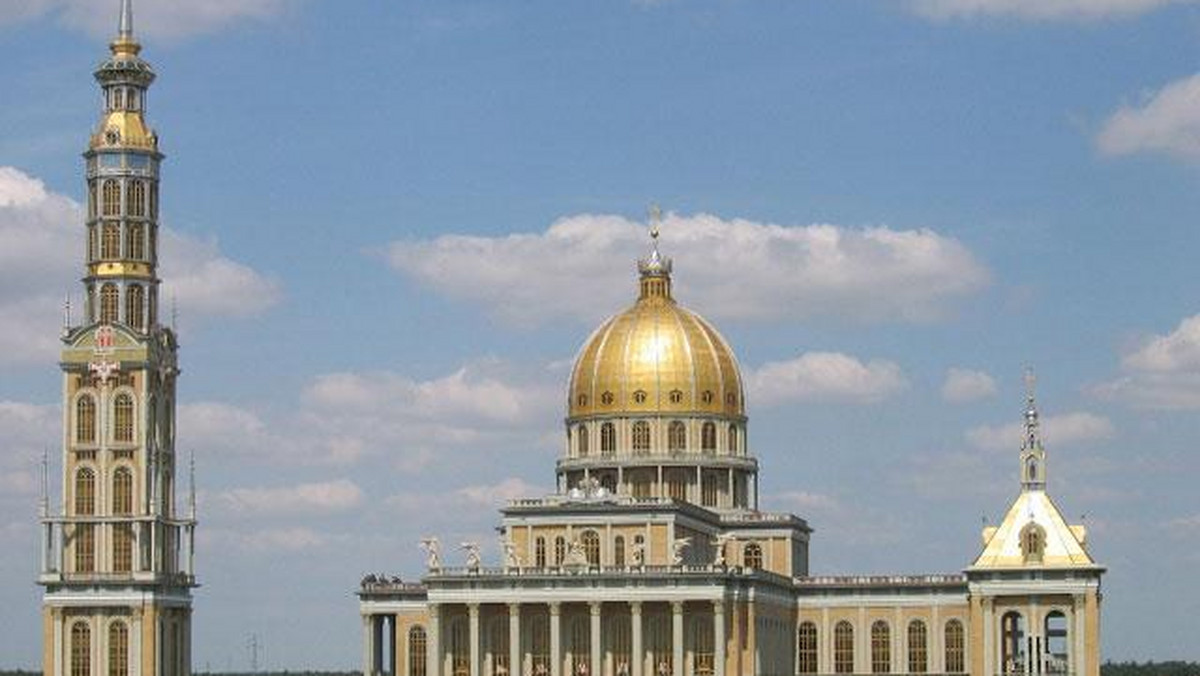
[117,552]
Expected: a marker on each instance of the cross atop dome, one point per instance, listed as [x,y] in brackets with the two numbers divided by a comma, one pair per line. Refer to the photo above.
[655,271]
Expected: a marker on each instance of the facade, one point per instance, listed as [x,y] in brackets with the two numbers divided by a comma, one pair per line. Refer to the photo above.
[653,558]
[116,557]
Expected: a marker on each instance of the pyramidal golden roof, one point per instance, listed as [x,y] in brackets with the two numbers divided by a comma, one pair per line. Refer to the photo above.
[1061,545]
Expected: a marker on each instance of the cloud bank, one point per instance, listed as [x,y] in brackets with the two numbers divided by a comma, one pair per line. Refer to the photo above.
[825,377]
[1039,9]
[1057,430]
[727,268]
[964,385]
[1166,121]
[156,19]
[1163,373]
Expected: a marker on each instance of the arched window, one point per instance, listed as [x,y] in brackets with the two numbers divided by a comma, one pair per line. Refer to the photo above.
[641,437]
[153,202]
[1032,540]
[619,551]
[111,193]
[843,648]
[92,242]
[918,649]
[676,436]
[539,552]
[118,649]
[806,643]
[81,649]
[135,242]
[752,556]
[560,550]
[639,397]
[881,648]
[709,490]
[1058,651]
[109,302]
[707,396]
[85,420]
[677,481]
[581,440]
[608,439]
[85,548]
[137,199]
[110,241]
[123,418]
[591,546]
[122,548]
[118,99]
[91,201]
[607,398]
[85,492]
[417,643]
[733,440]
[152,244]
[135,306]
[956,662]
[708,438]
[122,492]
[676,396]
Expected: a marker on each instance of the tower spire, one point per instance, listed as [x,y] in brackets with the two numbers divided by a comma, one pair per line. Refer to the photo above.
[1033,454]
[125,30]
[656,270]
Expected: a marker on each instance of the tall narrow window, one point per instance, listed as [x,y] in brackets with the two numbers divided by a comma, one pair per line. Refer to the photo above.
[122,548]
[709,490]
[591,547]
[1058,651]
[619,551]
[1032,538]
[539,552]
[677,484]
[918,649]
[708,438]
[85,420]
[137,199]
[109,302]
[881,648]
[581,440]
[135,242]
[608,439]
[733,440]
[641,437]
[81,649]
[417,642]
[122,492]
[123,418]
[460,648]
[110,241]
[153,201]
[676,437]
[111,194]
[843,648]
[85,548]
[135,306]
[956,662]
[118,649]
[92,201]
[152,246]
[806,640]
[118,99]
[752,556]
[560,550]
[85,492]
[92,242]
[702,646]
[497,644]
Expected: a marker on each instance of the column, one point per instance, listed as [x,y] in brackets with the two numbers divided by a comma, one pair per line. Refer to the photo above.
[516,665]
[473,629]
[718,638]
[637,658]
[677,637]
[555,639]
[595,607]
[368,645]
[433,647]
[377,640]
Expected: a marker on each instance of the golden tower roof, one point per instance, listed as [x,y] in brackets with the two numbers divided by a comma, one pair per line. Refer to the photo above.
[656,357]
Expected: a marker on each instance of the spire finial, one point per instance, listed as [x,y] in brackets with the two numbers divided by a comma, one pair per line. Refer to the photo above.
[1033,455]
[44,506]
[1032,437]
[655,270]
[655,224]
[66,327]
[125,30]
[192,484]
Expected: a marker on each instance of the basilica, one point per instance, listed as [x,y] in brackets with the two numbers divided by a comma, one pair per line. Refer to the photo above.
[652,558]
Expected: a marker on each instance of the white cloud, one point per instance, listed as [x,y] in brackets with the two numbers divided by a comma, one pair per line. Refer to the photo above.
[1039,9]
[1057,430]
[1167,121]
[270,541]
[965,385]
[1162,373]
[583,267]
[826,377]
[41,259]
[322,498]
[495,495]
[165,19]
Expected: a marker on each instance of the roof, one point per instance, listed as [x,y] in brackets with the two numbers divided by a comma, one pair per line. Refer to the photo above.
[1065,546]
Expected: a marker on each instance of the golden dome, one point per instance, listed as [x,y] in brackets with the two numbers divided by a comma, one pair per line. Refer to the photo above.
[656,357]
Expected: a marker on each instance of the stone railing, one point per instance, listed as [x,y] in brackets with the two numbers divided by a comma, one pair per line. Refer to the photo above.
[882,580]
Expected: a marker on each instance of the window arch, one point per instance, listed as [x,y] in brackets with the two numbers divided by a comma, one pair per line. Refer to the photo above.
[591,546]
[806,641]
[85,419]
[539,552]
[843,648]
[708,438]
[118,649]
[1033,539]
[111,194]
[110,241]
[608,439]
[122,492]
[581,441]
[81,649]
[85,548]
[92,200]
[135,242]
[676,396]
[1012,643]
[607,398]
[619,551]
[560,550]
[676,436]
[918,650]
[956,662]
[417,642]
[1058,651]
[137,199]
[732,440]
[85,492]
[123,417]
[641,437]
[639,397]
[109,302]
[881,647]
[135,306]
[752,556]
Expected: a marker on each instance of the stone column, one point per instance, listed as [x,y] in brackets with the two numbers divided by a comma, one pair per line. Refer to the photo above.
[595,607]
[516,665]
[718,638]
[473,629]
[637,658]
[555,639]
[368,645]
[677,637]
[433,647]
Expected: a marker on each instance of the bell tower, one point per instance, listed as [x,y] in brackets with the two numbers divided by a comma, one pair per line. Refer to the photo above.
[117,551]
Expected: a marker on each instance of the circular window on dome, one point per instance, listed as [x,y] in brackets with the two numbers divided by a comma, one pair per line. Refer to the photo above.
[639,397]
[607,398]
[707,397]
[676,396]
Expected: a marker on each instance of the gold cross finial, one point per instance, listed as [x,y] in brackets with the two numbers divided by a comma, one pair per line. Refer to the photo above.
[1030,383]
[655,221]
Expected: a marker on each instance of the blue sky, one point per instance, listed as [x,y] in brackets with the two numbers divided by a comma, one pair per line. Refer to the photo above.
[392,224]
